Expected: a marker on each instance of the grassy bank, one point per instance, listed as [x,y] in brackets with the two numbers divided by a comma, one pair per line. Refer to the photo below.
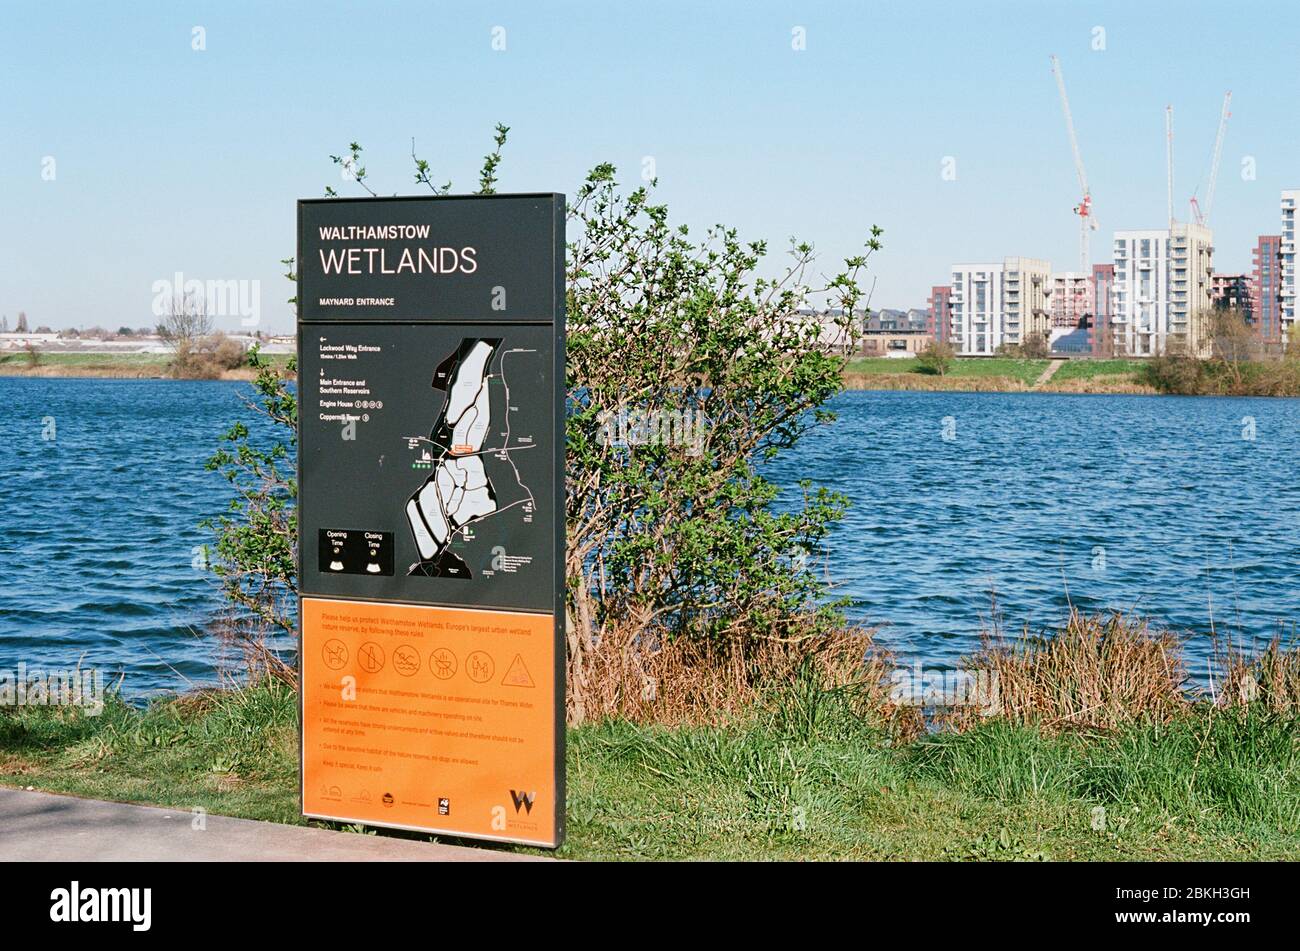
[1100,376]
[147,366]
[1000,374]
[809,784]
[966,373]
[1173,376]
[1094,752]
[1100,369]
[128,365]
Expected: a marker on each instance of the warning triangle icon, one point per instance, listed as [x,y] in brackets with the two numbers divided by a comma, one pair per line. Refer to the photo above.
[517,675]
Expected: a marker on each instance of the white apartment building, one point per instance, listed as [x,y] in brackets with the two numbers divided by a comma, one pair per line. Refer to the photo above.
[1162,290]
[1287,253]
[996,304]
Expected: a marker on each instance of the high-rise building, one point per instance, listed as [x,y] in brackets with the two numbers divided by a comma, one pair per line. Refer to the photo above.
[1103,285]
[939,321]
[1191,264]
[1287,253]
[998,304]
[1162,289]
[1027,281]
[976,303]
[1231,292]
[1069,298]
[1266,289]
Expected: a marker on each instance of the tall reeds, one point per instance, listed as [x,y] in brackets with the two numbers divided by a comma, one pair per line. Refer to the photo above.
[690,681]
[1096,671]
[1269,680]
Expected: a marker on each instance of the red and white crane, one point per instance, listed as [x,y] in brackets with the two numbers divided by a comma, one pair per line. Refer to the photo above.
[1087,222]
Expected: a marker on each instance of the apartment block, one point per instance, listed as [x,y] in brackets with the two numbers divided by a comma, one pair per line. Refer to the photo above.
[940,312]
[1231,292]
[1266,288]
[1161,297]
[1103,285]
[998,304]
[976,302]
[1027,281]
[1287,253]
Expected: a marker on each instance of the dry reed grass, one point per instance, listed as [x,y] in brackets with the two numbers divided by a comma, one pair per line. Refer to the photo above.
[1270,679]
[1100,384]
[1096,672]
[687,681]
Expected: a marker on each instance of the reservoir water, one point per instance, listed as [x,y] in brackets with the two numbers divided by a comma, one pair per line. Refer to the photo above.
[1186,510]
[1182,509]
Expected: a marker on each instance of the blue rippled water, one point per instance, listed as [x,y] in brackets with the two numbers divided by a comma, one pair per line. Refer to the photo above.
[1150,503]
[103,489]
[1184,509]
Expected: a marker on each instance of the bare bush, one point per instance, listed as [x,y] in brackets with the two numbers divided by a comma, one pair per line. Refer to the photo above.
[182,329]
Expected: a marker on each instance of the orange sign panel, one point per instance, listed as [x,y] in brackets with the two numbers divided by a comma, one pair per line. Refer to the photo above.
[430,718]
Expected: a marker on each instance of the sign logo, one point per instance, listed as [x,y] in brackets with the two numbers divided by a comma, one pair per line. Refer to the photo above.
[524,800]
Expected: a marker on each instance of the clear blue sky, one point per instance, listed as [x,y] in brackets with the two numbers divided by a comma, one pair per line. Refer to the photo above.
[172,160]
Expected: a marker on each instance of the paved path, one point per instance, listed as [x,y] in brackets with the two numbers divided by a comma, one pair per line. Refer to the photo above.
[1047,373]
[36,826]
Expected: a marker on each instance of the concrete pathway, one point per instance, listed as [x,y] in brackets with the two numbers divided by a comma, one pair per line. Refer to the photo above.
[36,826]
[1048,372]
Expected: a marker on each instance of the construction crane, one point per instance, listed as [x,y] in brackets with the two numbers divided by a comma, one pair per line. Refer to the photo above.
[1202,215]
[1083,209]
[1169,163]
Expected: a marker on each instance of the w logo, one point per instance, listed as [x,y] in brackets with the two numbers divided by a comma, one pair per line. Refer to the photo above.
[525,800]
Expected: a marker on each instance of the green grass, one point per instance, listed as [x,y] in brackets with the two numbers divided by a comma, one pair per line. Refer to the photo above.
[236,756]
[1025,371]
[108,361]
[84,359]
[804,780]
[1089,369]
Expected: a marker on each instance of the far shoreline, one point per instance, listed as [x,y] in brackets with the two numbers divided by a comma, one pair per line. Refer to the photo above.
[111,369]
[1084,375]
[914,381]
[970,378]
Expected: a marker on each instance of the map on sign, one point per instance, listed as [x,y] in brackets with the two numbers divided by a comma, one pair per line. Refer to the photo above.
[458,491]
